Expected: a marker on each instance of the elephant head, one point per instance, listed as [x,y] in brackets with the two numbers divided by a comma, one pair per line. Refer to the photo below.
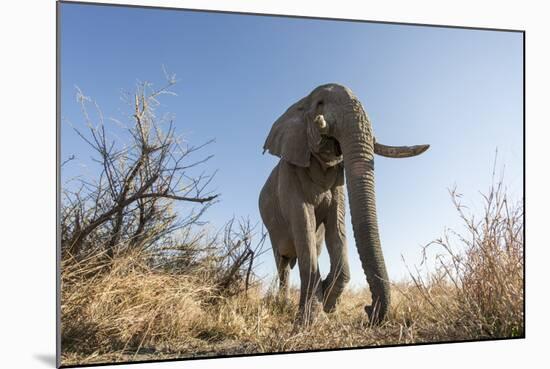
[331,125]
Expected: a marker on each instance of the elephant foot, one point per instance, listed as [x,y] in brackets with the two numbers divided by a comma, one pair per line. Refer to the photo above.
[331,295]
[329,304]
[307,316]
[376,313]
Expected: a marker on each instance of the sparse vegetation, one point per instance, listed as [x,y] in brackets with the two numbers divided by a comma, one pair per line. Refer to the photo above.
[133,311]
[148,283]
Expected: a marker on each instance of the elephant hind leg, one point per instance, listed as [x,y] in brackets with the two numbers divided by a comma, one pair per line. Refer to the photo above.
[282,262]
[283,269]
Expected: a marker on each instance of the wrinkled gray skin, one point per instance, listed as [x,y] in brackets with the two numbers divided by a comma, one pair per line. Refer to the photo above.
[319,139]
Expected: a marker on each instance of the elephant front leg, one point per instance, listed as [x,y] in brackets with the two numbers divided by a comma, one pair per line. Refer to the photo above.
[311,291]
[310,279]
[335,235]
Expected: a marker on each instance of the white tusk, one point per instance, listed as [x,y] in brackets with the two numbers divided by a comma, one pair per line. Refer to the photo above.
[320,121]
[399,151]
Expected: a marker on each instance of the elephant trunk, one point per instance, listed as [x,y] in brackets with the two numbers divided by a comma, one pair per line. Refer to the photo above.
[357,143]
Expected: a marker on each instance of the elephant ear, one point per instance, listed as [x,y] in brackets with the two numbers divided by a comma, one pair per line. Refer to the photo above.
[288,138]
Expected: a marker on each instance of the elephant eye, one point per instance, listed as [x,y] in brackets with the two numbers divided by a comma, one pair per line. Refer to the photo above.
[319,105]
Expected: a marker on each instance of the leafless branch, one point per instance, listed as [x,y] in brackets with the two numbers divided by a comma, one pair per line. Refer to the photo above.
[141,176]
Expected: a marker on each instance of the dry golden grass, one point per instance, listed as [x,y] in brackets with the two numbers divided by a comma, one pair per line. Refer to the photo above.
[126,310]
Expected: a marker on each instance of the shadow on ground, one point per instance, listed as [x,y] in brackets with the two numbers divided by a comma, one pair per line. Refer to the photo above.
[48,359]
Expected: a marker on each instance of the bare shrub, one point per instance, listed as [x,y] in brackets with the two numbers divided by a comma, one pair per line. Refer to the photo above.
[131,200]
[228,258]
[477,288]
[235,262]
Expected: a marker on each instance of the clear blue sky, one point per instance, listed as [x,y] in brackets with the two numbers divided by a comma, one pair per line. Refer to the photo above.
[458,90]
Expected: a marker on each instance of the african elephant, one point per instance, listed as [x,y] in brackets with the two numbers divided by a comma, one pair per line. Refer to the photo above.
[319,139]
